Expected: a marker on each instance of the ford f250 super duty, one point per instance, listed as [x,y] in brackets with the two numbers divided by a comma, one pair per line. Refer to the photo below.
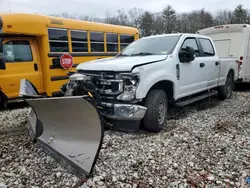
[137,86]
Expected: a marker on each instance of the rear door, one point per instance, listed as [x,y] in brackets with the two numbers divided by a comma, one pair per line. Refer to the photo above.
[21,62]
[211,61]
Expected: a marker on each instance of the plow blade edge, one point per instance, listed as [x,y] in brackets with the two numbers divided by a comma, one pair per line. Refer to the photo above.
[69,129]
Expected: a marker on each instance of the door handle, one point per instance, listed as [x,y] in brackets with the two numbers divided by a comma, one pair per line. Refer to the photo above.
[202,64]
[217,63]
[35,67]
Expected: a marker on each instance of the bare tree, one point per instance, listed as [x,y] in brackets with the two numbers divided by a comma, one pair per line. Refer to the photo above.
[135,16]
[158,26]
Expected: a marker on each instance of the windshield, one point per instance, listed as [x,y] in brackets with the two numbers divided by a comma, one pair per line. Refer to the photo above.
[151,46]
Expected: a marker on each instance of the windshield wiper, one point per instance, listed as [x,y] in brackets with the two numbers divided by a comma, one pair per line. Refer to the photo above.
[143,53]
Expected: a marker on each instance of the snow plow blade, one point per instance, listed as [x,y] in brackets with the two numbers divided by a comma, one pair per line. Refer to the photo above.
[67,128]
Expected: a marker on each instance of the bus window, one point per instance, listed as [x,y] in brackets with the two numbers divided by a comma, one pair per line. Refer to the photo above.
[125,40]
[58,40]
[97,41]
[79,41]
[112,42]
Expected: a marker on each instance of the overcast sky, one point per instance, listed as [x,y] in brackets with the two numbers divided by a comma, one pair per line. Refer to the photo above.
[98,7]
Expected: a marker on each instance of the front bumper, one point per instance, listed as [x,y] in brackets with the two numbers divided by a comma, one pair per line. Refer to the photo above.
[127,112]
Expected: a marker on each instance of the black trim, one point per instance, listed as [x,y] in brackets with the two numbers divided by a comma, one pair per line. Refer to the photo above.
[82,54]
[199,47]
[178,71]
[57,94]
[59,66]
[3,35]
[148,63]
[56,78]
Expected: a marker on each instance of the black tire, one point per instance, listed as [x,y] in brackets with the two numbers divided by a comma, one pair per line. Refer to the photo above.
[225,92]
[3,103]
[155,100]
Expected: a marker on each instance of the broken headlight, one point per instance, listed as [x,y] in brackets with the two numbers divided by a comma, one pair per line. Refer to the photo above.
[130,83]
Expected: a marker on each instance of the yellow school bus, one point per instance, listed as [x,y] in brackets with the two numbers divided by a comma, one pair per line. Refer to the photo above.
[31,46]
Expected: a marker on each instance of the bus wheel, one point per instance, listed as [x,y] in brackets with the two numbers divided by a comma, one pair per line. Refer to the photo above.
[3,102]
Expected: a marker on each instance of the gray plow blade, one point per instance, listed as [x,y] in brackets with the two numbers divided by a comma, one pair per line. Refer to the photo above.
[69,129]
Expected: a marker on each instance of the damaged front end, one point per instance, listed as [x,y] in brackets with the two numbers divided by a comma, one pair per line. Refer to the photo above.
[115,94]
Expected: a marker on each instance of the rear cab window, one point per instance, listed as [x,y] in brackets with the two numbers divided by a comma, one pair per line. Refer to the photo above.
[207,47]
[17,51]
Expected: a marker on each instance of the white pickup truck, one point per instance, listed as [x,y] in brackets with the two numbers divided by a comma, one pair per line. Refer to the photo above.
[136,87]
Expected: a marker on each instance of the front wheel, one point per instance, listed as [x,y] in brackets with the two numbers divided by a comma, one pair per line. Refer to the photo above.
[225,92]
[156,115]
[3,102]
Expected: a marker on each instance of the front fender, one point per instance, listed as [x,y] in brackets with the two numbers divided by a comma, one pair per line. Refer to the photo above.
[150,76]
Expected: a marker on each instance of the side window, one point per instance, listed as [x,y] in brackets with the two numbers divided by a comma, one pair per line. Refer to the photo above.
[192,43]
[125,40]
[207,47]
[17,51]
[58,40]
[97,41]
[79,41]
[112,42]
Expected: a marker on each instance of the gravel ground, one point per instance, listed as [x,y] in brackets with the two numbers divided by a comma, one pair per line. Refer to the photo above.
[204,144]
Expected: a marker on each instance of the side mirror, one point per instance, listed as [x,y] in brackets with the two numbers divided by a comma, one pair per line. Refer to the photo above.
[2,60]
[187,55]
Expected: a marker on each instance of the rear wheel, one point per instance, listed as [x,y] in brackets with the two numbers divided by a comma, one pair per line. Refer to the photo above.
[225,92]
[156,115]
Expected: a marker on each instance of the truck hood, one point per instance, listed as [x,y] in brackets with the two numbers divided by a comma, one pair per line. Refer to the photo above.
[119,63]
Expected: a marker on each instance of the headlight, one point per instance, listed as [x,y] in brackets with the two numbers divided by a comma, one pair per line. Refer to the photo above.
[76,77]
[130,85]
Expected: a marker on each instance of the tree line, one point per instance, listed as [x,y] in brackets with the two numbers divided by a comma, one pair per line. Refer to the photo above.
[169,20]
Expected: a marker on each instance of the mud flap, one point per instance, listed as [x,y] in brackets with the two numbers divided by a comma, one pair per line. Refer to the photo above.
[69,129]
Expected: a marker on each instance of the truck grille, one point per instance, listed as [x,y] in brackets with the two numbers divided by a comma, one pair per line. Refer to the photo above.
[105,82]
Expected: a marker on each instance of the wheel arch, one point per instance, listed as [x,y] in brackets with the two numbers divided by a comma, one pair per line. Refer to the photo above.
[167,86]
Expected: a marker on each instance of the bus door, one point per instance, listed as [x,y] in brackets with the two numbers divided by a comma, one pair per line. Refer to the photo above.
[22,62]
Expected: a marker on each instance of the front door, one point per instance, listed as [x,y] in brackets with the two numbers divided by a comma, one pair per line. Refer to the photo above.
[21,63]
[193,75]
